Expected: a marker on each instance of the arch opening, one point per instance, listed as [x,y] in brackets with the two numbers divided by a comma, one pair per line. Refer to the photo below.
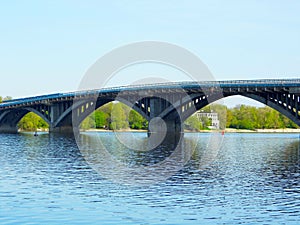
[24,119]
[32,122]
[114,115]
[256,116]
[210,117]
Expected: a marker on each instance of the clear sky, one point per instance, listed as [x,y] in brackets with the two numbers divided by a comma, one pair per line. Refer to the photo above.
[47,46]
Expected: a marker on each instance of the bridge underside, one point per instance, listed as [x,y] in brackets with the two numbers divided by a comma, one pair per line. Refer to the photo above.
[9,120]
[165,110]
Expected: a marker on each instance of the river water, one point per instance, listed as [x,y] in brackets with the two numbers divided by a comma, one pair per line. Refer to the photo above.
[250,179]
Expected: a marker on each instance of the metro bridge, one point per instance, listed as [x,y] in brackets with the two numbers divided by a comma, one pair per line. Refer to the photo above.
[164,105]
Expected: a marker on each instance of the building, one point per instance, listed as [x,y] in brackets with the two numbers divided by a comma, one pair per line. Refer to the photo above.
[212,116]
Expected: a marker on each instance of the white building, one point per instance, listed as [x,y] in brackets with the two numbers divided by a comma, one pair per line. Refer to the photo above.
[215,123]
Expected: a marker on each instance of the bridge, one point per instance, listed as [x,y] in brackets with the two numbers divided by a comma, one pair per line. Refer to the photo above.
[164,105]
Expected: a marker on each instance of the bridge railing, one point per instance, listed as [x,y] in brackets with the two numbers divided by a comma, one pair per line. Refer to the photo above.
[265,82]
[169,85]
[262,81]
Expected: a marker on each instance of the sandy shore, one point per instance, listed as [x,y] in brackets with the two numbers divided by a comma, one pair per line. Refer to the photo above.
[287,130]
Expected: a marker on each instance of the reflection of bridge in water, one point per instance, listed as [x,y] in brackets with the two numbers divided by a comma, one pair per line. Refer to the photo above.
[164,105]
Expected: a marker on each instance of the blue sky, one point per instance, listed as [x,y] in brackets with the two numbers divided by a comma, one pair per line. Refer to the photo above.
[47,46]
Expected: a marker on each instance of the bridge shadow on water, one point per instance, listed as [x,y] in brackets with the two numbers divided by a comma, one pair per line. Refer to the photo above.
[143,162]
[108,155]
[138,150]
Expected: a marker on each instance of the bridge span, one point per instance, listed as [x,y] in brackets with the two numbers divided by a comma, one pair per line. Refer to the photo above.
[164,105]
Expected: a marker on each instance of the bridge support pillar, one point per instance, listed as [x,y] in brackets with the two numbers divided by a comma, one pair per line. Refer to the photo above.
[159,125]
[9,124]
[57,110]
[162,127]
[62,129]
[8,129]
[163,132]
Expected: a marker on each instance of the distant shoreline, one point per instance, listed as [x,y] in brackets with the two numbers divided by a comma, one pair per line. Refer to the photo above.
[286,130]
[227,130]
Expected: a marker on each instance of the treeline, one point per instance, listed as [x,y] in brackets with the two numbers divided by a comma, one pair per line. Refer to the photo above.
[112,116]
[242,117]
[249,117]
[194,123]
[118,116]
[115,116]
[32,122]
[5,98]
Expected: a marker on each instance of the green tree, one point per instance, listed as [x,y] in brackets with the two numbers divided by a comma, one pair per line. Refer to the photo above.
[32,122]
[118,117]
[89,122]
[193,123]
[7,98]
[101,119]
[249,117]
[106,108]
[136,121]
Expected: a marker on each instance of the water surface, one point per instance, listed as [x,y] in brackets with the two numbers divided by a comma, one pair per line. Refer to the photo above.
[253,179]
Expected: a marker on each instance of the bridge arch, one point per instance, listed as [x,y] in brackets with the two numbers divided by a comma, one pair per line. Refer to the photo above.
[77,112]
[112,111]
[44,116]
[281,108]
[169,101]
[186,106]
[189,106]
[9,119]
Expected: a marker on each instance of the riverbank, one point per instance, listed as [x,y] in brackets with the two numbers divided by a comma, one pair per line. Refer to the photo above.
[286,130]
[227,130]
[103,130]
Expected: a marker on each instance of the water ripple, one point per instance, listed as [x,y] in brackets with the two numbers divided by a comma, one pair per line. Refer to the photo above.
[253,180]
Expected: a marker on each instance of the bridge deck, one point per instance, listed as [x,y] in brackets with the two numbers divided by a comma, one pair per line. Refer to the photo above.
[170,85]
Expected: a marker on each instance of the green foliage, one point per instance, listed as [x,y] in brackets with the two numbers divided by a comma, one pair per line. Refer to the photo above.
[136,121]
[118,117]
[89,122]
[115,116]
[242,117]
[194,124]
[5,98]
[32,122]
[222,114]
[101,119]
[249,117]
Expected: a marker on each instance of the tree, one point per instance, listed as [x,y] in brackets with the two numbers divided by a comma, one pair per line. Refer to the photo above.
[32,122]
[7,98]
[101,119]
[193,123]
[118,117]
[249,117]
[136,121]
[88,122]
[229,118]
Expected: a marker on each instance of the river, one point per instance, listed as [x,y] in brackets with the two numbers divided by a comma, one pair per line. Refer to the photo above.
[244,179]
